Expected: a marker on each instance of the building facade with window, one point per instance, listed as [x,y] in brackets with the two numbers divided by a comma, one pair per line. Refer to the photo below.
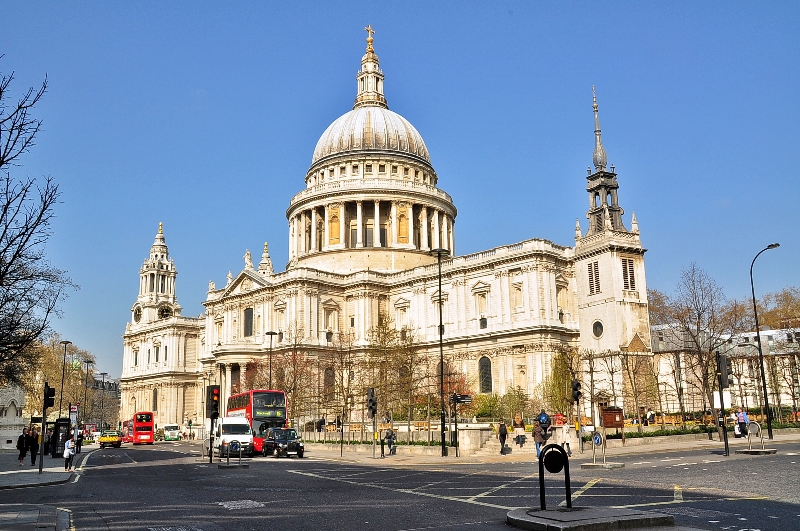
[360,236]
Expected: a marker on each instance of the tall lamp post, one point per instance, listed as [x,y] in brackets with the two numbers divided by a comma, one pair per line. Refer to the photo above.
[439,253]
[103,401]
[85,391]
[270,334]
[758,338]
[63,374]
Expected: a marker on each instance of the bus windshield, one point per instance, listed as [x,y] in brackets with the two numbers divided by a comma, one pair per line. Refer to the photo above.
[144,417]
[268,400]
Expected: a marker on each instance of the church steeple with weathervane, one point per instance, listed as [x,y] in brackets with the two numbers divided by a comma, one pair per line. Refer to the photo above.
[370,77]
[157,275]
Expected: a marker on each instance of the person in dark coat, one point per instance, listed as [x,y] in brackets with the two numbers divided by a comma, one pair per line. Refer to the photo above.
[502,433]
[538,437]
[33,445]
[22,445]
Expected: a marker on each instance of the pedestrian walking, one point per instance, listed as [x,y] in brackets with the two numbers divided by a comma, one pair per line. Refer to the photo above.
[33,445]
[47,436]
[390,436]
[538,437]
[566,435]
[383,441]
[69,453]
[22,445]
[79,442]
[742,418]
[519,430]
[502,433]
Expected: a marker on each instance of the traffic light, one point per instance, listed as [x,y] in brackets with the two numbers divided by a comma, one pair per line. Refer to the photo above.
[725,370]
[372,402]
[49,396]
[212,401]
[576,390]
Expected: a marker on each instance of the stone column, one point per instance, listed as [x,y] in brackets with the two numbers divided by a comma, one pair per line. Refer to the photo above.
[411,222]
[227,394]
[325,231]
[360,225]
[393,238]
[446,220]
[303,249]
[424,228]
[376,226]
[341,224]
[291,242]
[436,232]
[314,230]
[452,237]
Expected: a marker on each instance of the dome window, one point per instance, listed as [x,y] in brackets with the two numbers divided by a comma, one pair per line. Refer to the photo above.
[368,168]
[342,171]
[405,171]
[382,168]
[394,169]
[355,169]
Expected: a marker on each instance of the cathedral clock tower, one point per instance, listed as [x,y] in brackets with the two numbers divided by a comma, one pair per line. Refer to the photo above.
[609,265]
[156,298]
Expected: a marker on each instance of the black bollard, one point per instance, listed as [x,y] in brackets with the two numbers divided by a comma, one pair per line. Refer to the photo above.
[554,458]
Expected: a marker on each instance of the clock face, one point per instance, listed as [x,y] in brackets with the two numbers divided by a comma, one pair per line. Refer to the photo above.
[137,314]
[164,312]
[597,329]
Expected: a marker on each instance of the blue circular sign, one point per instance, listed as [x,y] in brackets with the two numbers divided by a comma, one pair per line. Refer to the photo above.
[234,446]
[597,439]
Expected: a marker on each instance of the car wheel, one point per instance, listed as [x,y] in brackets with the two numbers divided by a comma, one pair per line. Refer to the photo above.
[300,455]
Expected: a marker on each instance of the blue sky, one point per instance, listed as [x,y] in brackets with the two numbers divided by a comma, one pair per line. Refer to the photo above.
[205,115]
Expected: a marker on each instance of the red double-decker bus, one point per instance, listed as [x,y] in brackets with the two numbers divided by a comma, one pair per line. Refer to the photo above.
[143,428]
[263,409]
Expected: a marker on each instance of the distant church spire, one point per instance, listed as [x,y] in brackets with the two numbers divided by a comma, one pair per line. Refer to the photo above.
[599,158]
[370,77]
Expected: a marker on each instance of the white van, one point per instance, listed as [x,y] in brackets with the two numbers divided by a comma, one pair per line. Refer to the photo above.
[230,429]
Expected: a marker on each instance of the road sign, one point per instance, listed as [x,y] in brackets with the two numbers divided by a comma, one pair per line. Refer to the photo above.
[73,409]
[234,446]
[597,438]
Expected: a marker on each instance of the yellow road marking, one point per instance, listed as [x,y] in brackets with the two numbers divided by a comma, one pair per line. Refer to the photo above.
[580,491]
[678,493]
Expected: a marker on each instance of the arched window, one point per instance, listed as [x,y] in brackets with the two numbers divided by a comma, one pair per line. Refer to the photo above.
[155,399]
[485,374]
[329,384]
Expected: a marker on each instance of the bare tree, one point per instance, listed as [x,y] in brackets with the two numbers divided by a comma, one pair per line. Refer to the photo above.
[636,370]
[30,287]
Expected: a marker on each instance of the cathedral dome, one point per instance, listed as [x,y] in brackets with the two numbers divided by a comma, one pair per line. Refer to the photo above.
[371,128]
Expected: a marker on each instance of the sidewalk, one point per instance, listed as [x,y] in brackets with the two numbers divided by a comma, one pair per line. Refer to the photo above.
[23,517]
[633,447]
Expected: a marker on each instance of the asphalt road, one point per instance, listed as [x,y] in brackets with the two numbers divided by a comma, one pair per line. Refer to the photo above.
[164,487]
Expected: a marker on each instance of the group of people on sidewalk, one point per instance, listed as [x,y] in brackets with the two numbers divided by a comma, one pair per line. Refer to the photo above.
[28,441]
[542,429]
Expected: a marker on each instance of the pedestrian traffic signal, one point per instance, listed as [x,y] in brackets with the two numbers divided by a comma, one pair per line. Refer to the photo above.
[49,396]
[576,390]
[372,402]
[212,401]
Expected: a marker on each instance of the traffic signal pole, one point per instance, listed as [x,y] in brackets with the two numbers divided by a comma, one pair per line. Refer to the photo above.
[722,382]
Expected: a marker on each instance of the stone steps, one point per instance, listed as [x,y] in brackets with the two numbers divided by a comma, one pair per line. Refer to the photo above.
[492,447]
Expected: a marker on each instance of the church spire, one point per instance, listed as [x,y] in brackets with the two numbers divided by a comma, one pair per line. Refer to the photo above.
[370,77]
[599,157]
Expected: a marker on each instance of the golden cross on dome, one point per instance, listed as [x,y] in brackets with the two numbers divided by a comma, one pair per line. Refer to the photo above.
[160,228]
[370,33]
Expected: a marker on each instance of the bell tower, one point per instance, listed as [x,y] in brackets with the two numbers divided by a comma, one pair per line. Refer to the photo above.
[609,265]
[156,299]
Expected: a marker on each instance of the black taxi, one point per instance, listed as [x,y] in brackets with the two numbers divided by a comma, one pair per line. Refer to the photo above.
[282,442]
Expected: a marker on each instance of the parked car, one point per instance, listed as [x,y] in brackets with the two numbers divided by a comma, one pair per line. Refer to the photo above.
[283,441]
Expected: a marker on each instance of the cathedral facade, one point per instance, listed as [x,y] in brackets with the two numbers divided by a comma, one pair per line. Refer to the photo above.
[365,237]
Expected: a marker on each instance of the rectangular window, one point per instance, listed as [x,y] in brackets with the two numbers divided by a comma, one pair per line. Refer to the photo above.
[368,237]
[135,358]
[483,323]
[382,168]
[165,353]
[369,168]
[355,169]
[353,237]
[342,171]
[594,278]
[405,171]
[248,322]
[628,277]
[157,349]
[394,169]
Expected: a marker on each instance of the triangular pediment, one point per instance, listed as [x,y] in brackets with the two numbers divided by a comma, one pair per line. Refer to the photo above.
[402,303]
[330,304]
[245,282]
[480,287]
[561,281]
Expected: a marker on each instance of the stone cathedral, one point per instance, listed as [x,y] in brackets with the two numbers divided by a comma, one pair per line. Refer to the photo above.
[361,232]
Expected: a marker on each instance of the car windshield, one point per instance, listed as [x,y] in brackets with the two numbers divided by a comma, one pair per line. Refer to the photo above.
[285,434]
[171,427]
[236,429]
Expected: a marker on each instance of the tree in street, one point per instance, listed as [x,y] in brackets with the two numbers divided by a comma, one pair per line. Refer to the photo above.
[30,287]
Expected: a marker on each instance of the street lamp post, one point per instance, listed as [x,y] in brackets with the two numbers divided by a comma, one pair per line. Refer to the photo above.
[63,374]
[103,401]
[758,338]
[85,391]
[439,253]
[270,334]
